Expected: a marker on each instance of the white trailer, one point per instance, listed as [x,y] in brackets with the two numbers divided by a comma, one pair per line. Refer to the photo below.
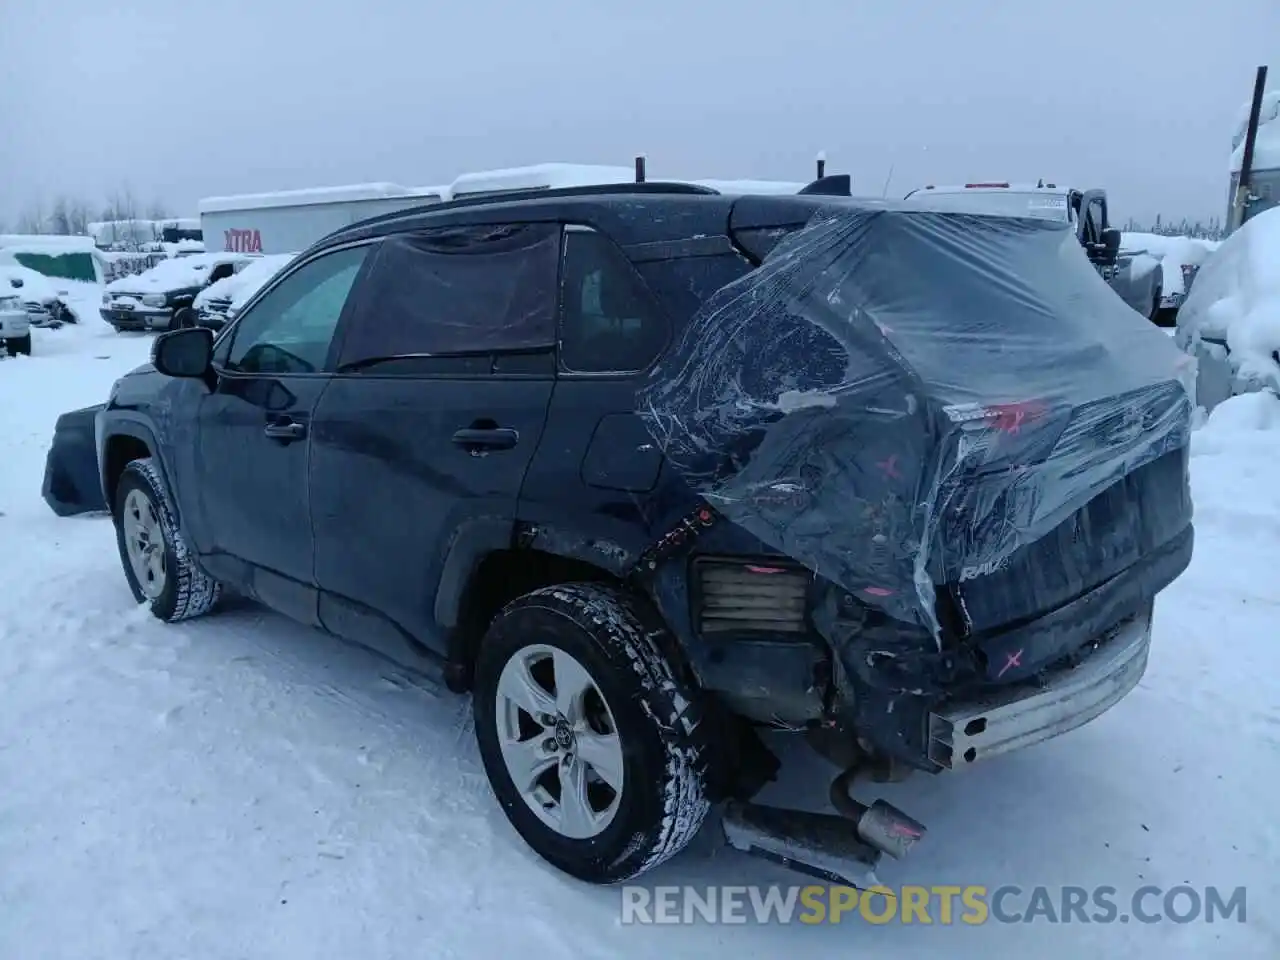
[291,220]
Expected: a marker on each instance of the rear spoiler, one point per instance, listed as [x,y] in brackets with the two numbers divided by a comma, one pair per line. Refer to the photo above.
[836,185]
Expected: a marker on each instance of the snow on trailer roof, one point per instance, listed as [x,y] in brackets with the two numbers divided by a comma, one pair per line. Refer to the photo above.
[992,186]
[45,242]
[768,188]
[313,195]
[550,176]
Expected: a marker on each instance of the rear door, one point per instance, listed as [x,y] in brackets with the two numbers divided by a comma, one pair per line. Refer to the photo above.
[598,466]
[422,438]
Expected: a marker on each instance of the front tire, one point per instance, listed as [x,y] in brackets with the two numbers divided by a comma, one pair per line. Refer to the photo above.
[18,346]
[584,732]
[184,319]
[157,563]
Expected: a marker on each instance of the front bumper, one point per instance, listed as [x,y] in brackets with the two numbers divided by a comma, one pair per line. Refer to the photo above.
[1059,700]
[72,484]
[146,318]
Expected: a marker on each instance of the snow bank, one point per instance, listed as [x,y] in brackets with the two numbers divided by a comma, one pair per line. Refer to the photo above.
[1266,149]
[169,274]
[1172,252]
[45,243]
[35,286]
[1235,306]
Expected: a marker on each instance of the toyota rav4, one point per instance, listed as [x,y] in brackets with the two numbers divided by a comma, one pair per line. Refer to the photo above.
[647,469]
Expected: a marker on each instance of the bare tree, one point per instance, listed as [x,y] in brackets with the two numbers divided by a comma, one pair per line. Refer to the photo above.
[33,219]
[60,216]
[122,207]
[157,210]
[78,216]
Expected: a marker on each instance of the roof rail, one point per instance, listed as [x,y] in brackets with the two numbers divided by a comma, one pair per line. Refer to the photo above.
[539,193]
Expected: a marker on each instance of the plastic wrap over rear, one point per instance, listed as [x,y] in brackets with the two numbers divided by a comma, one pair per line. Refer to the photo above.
[900,399]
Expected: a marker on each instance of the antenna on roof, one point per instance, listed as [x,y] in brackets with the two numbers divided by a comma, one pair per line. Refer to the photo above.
[640,169]
[1040,184]
[822,164]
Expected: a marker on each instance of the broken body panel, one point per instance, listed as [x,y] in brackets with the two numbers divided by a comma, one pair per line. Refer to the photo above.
[955,426]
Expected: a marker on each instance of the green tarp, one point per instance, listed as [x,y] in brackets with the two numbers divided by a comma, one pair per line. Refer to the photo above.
[73,265]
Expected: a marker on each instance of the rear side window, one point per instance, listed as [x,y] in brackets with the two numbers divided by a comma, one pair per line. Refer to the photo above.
[610,322]
[454,291]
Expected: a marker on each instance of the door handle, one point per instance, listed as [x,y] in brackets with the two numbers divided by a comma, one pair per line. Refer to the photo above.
[287,430]
[492,438]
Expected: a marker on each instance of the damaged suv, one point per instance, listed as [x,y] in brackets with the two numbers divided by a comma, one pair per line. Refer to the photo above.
[646,469]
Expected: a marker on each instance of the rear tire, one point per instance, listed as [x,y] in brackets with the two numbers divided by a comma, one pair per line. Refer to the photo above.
[18,346]
[184,319]
[159,567]
[612,719]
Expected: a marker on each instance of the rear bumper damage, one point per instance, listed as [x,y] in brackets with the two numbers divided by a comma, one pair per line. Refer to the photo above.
[1062,699]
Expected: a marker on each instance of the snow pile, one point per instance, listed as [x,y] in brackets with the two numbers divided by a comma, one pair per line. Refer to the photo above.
[45,243]
[1233,313]
[1173,253]
[28,284]
[1266,148]
[169,274]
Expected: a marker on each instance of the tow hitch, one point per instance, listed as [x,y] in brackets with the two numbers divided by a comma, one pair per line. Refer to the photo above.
[843,847]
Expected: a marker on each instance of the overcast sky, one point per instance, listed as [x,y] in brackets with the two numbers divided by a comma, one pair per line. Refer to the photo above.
[181,100]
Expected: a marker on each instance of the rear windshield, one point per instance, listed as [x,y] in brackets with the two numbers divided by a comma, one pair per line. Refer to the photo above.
[1008,203]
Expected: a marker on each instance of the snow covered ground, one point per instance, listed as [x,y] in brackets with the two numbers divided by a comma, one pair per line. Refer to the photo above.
[241,787]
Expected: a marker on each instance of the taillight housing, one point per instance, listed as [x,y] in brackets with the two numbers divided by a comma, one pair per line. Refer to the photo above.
[998,437]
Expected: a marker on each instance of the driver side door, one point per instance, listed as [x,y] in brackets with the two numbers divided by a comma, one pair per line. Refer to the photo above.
[253,433]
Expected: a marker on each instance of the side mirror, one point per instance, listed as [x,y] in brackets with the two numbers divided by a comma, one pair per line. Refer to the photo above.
[183,353]
[1111,243]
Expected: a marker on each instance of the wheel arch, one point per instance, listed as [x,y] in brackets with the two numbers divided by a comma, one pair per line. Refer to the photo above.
[125,442]
[493,561]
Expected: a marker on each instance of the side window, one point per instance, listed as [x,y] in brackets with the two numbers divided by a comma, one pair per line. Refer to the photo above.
[456,291]
[220,272]
[609,321]
[1095,221]
[289,330]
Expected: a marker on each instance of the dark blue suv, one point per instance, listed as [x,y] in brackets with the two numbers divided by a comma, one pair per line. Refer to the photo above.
[647,469]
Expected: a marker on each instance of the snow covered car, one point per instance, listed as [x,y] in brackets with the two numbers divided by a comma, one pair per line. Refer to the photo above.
[1129,273]
[1231,320]
[1180,260]
[15,326]
[218,303]
[40,297]
[162,296]
[649,469]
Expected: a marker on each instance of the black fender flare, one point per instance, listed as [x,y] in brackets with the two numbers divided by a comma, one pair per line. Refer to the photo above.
[115,425]
[477,538]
